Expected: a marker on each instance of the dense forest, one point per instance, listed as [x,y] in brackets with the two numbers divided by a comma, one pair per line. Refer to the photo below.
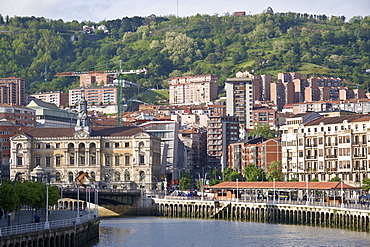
[267,43]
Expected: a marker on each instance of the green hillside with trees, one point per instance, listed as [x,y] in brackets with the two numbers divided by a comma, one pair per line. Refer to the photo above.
[315,45]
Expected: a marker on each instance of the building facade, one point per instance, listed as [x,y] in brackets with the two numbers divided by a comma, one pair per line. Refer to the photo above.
[193,89]
[316,147]
[115,157]
[94,95]
[240,100]
[12,91]
[58,98]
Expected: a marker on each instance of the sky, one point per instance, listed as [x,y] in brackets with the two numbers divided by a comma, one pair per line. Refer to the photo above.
[98,10]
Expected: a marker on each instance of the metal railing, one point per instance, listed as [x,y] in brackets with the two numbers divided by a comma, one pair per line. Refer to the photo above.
[33,227]
[355,206]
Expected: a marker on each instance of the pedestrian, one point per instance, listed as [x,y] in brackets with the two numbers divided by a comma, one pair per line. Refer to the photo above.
[37,218]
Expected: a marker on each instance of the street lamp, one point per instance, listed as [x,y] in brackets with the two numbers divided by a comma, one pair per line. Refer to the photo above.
[307,198]
[78,204]
[96,200]
[165,188]
[47,226]
[274,200]
[341,193]
[237,189]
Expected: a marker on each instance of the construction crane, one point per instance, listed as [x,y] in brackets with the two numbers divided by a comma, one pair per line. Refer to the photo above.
[119,73]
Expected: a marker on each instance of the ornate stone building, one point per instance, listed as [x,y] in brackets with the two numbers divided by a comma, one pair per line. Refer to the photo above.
[115,157]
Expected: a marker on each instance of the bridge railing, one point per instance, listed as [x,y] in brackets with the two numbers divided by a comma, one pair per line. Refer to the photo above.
[33,227]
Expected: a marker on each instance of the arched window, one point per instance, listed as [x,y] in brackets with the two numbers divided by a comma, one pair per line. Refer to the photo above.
[70,177]
[117,176]
[81,153]
[71,151]
[57,176]
[93,153]
[92,176]
[127,176]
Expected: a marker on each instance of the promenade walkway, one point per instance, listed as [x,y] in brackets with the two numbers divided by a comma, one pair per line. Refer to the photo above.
[26,217]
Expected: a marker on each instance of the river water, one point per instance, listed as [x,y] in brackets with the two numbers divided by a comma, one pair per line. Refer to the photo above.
[178,232]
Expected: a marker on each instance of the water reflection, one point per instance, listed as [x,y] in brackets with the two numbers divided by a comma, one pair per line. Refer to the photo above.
[156,231]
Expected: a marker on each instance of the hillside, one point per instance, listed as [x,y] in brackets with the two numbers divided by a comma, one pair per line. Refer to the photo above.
[315,45]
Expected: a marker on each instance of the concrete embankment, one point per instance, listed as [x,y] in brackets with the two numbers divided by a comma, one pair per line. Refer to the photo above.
[353,219]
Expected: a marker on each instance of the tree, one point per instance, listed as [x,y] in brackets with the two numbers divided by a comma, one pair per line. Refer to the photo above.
[366,184]
[185,183]
[275,171]
[252,173]
[9,200]
[262,130]
[335,179]
[315,180]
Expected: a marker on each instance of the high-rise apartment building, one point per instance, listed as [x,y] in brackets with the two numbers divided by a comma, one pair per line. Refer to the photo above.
[58,98]
[240,100]
[12,91]
[193,89]
[94,95]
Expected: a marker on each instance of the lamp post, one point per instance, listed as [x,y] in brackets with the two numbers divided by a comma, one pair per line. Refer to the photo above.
[96,200]
[341,193]
[165,188]
[47,226]
[274,200]
[78,204]
[61,197]
[307,198]
[237,190]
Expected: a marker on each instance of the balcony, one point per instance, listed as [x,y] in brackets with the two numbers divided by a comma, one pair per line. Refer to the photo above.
[311,157]
[331,156]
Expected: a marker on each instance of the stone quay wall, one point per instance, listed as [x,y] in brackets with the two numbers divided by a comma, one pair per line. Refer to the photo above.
[84,234]
[353,219]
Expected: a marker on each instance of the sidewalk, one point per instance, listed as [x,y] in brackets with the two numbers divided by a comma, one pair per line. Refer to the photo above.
[26,217]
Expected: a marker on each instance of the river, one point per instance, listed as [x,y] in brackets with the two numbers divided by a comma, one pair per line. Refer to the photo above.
[178,232]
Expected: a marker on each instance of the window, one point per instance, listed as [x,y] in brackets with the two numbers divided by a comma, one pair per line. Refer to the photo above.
[92,175]
[116,144]
[47,145]
[70,177]
[47,161]
[127,176]
[72,159]
[93,159]
[117,176]
[19,161]
[106,145]
[127,144]
[116,160]
[127,160]
[57,161]
[38,145]
[141,159]
[57,145]
[38,160]
[57,177]
[107,160]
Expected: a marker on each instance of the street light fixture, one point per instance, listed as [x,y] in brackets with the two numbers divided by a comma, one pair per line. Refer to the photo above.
[96,200]
[237,190]
[307,198]
[78,204]
[47,226]
[274,200]
[341,193]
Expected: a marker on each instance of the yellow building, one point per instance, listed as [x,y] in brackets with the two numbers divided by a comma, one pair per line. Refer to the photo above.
[115,157]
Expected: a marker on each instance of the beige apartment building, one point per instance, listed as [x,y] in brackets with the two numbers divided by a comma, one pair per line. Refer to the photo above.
[94,95]
[193,89]
[325,147]
[58,98]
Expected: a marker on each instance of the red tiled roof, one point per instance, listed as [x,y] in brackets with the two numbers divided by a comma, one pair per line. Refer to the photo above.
[95,131]
[282,185]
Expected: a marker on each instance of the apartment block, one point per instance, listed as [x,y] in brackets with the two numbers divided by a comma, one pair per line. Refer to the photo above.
[193,89]
[94,95]
[316,147]
[265,115]
[58,98]
[12,91]
[95,79]
[240,100]
[221,131]
[18,115]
